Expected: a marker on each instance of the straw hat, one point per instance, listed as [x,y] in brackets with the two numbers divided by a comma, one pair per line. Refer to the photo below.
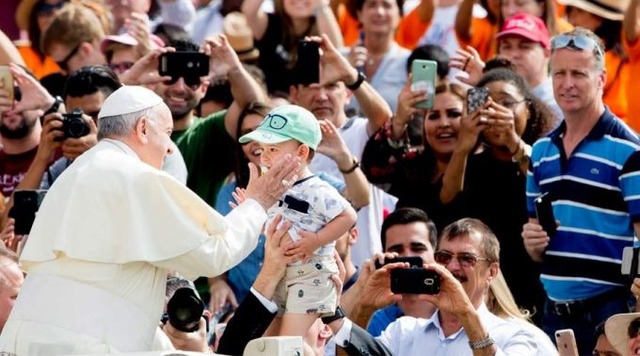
[608,9]
[240,36]
[616,330]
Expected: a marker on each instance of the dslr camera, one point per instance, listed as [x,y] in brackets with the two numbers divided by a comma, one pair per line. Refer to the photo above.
[73,125]
[184,310]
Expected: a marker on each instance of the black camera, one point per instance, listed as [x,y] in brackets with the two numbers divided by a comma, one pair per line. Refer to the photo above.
[73,125]
[184,310]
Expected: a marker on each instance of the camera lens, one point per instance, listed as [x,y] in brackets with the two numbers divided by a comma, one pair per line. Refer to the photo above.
[185,309]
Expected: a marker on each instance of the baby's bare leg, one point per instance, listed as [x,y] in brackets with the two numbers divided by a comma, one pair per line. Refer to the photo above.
[296,324]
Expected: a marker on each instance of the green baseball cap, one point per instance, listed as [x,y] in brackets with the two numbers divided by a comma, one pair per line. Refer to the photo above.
[284,123]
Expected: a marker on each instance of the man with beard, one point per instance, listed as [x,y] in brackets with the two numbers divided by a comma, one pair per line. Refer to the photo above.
[207,143]
[20,127]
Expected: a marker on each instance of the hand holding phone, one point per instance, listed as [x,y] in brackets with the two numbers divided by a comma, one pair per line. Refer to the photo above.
[544,212]
[423,77]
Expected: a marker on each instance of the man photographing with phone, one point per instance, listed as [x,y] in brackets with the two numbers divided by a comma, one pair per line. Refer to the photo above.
[467,261]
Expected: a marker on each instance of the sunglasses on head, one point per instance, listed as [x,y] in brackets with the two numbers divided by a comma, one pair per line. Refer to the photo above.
[465,259]
[577,42]
[190,81]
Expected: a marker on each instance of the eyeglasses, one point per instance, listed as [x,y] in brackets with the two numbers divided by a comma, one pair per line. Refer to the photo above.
[579,42]
[191,81]
[64,63]
[275,121]
[120,67]
[465,259]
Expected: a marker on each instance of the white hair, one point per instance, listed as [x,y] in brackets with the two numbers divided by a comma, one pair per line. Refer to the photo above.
[124,124]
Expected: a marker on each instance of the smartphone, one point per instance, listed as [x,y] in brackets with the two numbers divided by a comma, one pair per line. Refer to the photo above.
[544,212]
[6,78]
[424,78]
[308,65]
[630,258]
[25,206]
[183,64]
[414,261]
[566,342]
[415,281]
[476,98]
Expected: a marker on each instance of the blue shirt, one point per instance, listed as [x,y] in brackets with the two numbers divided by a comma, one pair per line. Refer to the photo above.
[596,193]
[381,318]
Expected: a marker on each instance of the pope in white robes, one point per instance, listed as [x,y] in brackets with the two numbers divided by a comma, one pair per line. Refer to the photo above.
[110,229]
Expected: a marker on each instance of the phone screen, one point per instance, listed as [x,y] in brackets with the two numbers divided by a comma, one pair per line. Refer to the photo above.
[476,98]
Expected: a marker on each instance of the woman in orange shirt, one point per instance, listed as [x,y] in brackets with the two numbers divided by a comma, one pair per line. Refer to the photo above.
[631,40]
[604,18]
[34,17]
[479,33]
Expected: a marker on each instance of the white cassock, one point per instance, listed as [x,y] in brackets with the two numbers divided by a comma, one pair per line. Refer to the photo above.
[97,257]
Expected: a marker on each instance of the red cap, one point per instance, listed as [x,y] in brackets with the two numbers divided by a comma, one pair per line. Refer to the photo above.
[528,26]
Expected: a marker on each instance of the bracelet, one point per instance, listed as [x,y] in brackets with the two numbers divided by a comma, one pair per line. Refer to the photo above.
[479,345]
[355,165]
[517,148]
[55,106]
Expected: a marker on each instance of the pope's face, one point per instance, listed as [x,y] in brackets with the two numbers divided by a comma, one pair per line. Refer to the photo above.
[159,143]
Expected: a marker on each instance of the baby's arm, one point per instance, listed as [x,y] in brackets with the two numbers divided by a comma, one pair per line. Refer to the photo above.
[335,228]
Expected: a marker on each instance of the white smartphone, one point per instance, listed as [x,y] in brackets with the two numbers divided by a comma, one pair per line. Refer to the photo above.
[627,261]
[566,343]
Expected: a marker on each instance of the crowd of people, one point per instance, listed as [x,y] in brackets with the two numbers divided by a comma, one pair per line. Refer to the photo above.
[292,190]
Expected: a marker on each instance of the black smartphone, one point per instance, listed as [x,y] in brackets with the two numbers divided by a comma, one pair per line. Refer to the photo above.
[414,261]
[476,98]
[415,281]
[183,64]
[308,65]
[544,212]
[25,206]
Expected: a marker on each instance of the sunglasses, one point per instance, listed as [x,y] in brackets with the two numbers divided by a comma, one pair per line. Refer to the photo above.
[191,81]
[465,259]
[579,42]
[64,63]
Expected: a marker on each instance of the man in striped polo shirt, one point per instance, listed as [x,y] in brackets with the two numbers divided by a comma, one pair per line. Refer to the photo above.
[590,167]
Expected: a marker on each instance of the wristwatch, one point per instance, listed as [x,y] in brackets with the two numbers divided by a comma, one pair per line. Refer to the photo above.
[55,106]
[358,82]
[479,345]
[339,314]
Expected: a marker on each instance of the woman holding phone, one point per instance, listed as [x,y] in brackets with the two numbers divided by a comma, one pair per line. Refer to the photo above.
[487,174]
[277,34]
[394,163]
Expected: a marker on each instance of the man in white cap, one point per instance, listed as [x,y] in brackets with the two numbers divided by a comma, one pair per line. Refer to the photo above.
[110,229]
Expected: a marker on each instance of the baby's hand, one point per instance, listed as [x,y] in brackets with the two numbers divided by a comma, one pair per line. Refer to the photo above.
[308,243]
[239,195]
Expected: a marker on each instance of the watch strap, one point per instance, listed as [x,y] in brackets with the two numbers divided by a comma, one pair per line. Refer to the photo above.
[55,106]
[479,345]
[357,83]
[339,314]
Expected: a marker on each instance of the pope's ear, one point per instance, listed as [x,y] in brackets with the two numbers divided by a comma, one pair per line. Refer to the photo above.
[141,129]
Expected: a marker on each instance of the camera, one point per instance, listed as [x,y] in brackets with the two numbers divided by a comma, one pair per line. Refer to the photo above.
[73,125]
[184,310]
